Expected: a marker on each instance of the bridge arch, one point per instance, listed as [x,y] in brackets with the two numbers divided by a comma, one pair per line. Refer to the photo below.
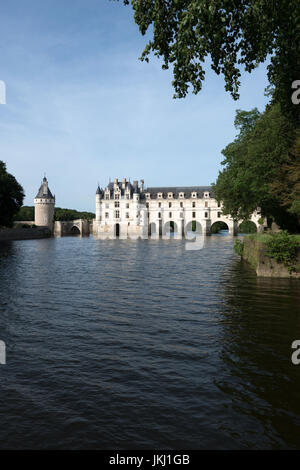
[152,232]
[170,229]
[75,230]
[218,226]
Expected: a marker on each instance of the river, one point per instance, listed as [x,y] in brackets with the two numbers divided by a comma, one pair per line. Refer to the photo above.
[123,344]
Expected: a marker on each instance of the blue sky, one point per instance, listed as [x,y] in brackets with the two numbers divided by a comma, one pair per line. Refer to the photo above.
[82,108]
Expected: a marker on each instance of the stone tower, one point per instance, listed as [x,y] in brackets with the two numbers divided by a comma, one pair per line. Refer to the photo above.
[98,203]
[44,204]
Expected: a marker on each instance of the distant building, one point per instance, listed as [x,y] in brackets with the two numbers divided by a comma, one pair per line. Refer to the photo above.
[44,204]
[125,209]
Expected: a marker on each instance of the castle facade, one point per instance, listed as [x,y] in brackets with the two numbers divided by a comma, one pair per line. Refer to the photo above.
[129,210]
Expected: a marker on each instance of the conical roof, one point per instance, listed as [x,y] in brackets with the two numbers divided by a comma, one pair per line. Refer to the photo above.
[44,191]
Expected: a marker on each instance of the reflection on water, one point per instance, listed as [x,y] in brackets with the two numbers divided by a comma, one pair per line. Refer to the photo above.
[144,344]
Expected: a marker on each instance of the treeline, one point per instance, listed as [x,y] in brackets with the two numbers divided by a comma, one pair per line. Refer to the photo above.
[26,213]
[262,168]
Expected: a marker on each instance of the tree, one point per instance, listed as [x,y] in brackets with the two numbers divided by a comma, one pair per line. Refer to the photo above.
[286,185]
[11,197]
[231,35]
[254,163]
[25,213]
[72,214]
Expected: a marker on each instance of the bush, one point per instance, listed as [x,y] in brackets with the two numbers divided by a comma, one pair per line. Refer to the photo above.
[282,247]
[238,247]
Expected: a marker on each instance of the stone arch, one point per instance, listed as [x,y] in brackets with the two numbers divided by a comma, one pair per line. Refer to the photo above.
[75,230]
[152,232]
[219,226]
[170,229]
[192,226]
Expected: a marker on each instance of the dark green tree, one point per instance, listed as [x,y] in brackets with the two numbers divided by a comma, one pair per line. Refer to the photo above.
[231,35]
[11,196]
[25,213]
[253,166]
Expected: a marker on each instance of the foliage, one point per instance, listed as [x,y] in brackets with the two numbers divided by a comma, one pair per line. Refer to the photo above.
[247,226]
[261,220]
[11,197]
[283,248]
[253,165]
[229,34]
[238,247]
[71,214]
[286,185]
[27,213]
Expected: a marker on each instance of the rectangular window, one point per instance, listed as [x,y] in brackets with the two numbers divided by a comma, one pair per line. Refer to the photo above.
[159,204]
[117,204]
[170,204]
[117,196]
[127,206]
[170,214]
[181,204]
[219,214]
[205,214]
[194,215]
[127,215]
[194,204]
[106,215]
[159,215]
[206,204]
[106,196]
[117,214]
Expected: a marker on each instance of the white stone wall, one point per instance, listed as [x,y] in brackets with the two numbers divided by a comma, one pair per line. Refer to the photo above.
[128,216]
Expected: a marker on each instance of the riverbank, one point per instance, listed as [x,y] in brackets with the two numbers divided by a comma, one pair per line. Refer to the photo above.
[24,233]
[271,255]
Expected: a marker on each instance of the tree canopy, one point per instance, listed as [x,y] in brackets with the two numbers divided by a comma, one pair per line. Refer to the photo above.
[231,34]
[261,168]
[26,213]
[11,196]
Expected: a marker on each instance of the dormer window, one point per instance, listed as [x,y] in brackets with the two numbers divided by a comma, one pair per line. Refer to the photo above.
[159,195]
[147,195]
[117,196]
[194,195]
[181,195]
[206,194]
[170,195]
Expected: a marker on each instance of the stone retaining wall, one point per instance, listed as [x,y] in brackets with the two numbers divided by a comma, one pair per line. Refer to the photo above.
[24,233]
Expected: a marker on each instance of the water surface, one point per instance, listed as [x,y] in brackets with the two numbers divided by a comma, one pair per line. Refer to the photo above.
[142,344]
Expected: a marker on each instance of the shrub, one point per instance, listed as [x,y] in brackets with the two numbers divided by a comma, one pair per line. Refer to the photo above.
[238,247]
[282,247]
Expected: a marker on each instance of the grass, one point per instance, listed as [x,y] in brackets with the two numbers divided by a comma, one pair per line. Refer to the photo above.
[280,246]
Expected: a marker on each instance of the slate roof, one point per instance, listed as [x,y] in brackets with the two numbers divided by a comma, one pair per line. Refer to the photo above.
[187,190]
[134,188]
[41,193]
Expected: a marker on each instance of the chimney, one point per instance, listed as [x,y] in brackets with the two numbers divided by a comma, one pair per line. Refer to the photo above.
[123,183]
[135,184]
[141,185]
